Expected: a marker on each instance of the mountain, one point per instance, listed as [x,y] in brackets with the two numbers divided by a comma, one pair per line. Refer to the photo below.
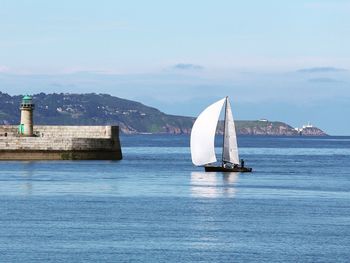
[131,116]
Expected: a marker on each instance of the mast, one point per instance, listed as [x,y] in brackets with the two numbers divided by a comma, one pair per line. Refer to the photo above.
[223,135]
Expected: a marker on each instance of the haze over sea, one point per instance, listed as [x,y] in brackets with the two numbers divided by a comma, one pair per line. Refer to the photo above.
[155,206]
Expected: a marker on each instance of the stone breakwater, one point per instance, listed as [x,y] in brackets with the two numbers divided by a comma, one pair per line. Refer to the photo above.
[61,143]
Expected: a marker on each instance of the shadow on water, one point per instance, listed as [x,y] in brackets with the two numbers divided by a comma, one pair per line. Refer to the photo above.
[213,185]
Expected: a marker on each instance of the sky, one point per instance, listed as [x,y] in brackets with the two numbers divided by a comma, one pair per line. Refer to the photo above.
[280,60]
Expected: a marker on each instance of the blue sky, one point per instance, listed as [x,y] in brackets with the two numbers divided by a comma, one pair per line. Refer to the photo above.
[281,60]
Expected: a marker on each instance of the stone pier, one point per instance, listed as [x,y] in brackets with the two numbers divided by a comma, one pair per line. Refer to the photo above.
[61,143]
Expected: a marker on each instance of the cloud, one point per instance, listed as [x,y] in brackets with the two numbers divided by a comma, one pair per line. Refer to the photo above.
[3,69]
[184,66]
[323,80]
[321,70]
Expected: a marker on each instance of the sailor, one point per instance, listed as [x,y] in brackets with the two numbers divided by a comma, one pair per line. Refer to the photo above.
[242,163]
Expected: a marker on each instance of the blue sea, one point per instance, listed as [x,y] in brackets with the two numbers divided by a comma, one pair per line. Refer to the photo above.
[155,206]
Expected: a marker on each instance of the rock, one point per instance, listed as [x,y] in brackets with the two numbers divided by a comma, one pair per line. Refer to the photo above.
[312,131]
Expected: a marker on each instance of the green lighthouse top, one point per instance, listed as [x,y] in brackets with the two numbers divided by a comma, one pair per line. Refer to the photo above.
[27,102]
[27,99]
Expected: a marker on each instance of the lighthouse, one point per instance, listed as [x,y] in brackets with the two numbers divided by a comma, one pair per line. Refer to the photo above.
[27,107]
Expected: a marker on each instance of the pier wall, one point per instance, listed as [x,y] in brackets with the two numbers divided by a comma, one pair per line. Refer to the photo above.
[61,142]
[63,131]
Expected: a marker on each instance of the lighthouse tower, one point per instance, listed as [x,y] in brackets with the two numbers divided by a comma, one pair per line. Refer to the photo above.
[27,107]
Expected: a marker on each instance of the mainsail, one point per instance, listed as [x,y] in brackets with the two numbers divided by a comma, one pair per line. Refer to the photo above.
[230,150]
[203,134]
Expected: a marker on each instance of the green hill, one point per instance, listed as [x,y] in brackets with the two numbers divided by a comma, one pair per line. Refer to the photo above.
[94,109]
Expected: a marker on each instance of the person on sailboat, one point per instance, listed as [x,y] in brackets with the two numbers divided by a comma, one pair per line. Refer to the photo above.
[242,163]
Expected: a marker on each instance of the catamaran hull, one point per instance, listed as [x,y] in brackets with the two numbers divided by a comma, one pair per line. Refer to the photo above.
[227,170]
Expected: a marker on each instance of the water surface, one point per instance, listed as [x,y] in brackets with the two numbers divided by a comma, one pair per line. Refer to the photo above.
[155,206]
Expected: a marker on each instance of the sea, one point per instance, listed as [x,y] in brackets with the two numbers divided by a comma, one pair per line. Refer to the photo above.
[155,206]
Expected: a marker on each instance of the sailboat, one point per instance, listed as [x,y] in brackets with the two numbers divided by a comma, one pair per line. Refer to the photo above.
[203,138]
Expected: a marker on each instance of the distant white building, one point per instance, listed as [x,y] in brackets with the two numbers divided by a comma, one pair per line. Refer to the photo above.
[264,120]
[308,125]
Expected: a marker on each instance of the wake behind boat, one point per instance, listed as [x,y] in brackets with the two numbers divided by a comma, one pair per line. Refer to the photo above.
[203,138]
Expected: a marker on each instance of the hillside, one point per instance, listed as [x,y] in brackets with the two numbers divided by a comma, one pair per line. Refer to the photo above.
[131,116]
[93,109]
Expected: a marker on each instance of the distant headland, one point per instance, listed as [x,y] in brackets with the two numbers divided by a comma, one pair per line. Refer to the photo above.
[131,117]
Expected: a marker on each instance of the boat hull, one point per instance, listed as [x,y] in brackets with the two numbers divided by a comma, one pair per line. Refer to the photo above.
[227,170]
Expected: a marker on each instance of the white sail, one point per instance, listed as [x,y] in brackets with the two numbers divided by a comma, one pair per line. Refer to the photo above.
[230,150]
[203,134]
